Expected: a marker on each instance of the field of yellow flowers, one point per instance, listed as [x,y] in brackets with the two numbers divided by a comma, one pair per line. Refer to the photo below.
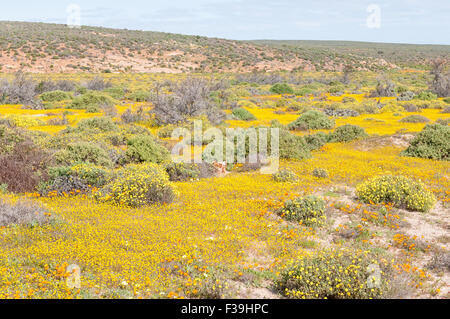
[221,236]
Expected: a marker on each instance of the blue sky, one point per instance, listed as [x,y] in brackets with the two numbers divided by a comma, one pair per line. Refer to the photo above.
[403,21]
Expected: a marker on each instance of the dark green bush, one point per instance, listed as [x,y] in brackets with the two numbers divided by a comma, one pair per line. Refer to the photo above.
[116,93]
[281,88]
[316,141]
[242,114]
[347,133]
[55,96]
[140,96]
[432,142]
[426,96]
[83,152]
[144,148]
[293,146]
[304,91]
[92,99]
[104,124]
[179,172]
[312,120]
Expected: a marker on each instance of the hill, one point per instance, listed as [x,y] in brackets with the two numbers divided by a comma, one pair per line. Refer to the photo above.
[47,48]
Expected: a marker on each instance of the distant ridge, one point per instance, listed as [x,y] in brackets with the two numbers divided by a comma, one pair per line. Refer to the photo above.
[46,48]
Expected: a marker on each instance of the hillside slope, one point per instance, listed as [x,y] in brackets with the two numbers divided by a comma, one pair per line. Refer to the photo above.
[46,48]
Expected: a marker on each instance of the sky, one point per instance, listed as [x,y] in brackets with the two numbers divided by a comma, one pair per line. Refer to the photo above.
[396,21]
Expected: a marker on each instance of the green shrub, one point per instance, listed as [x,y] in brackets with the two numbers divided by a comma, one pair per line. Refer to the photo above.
[9,138]
[447,100]
[284,175]
[432,142]
[140,96]
[304,91]
[443,121]
[281,88]
[138,185]
[104,124]
[78,178]
[320,173]
[55,96]
[242,114]
[83,152]
[92,99]
[316,141]
[144,148]
[276,124]
[293,146]
[312,120]
[414,119]
[308,210]
[401,191]
[346,133]
[179,172]
[334,274]
[117,93]
[338,88]
[426,96]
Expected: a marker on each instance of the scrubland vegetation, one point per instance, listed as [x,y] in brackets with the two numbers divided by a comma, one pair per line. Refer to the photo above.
[358,209]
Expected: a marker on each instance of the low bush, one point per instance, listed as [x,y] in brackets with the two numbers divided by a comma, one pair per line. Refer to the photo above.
[409,107]
[140,96]
[347,133]
[83,152]
[144,148]
[432,142]
[308,210]
[179,172]
[426,96]
[414,119]
[9,138]
[334,274]
[79,178]
[443,121]
[281,88]
[91,99]
[312,120]
[400,191]
[116,93]
[405,96]
[55,96]
[316,141]
[284,175]
[23,212]
[103,124]
[242,114]
[304,91]
[138,185]
[293,146]
[320,173]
